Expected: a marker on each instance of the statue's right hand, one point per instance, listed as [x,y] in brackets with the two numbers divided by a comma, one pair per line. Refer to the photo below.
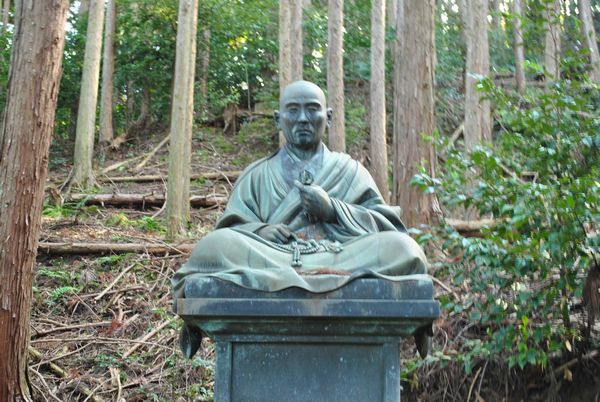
[276,233]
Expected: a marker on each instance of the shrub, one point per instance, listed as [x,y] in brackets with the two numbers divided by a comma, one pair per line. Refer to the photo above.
[540,183]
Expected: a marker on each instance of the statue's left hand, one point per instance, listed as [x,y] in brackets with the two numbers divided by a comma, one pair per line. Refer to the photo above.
[316,201]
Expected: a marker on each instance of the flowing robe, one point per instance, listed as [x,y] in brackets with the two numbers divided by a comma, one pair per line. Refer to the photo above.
[373,239]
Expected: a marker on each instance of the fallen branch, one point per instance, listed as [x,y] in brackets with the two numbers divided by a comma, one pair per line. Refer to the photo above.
[446,288]
[101,294]
[473,383]
[69,327]
[150,154]
[145,338]
[104,248]
[63,374]
[143,200]
[587,115]
[127,323]
[472,228]
[117,165]
[115,379]
[456,134]
[231,175]
[560,369]
[101,340]
[41,377]
[122,290]
[42,362]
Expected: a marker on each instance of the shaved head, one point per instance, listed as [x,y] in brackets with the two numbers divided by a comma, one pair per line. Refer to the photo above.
[302,88]
[303,117]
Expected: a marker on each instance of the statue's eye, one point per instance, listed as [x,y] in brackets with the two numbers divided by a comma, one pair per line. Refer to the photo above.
[313,109]
[293,110]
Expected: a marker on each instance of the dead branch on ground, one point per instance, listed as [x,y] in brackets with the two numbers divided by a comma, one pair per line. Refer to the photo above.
[232,175]
[142,340]
[112,248]
[143,200]
[63,374]
[150,154]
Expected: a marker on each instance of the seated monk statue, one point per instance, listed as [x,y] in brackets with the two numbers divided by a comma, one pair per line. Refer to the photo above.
[305,216]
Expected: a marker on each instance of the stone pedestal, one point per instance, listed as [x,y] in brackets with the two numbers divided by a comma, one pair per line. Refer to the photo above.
[295,346]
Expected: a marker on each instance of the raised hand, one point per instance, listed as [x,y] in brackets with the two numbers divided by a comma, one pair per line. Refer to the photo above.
[316,201]
[279,233]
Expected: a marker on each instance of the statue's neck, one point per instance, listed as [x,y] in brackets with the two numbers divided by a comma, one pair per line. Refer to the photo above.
[304,154]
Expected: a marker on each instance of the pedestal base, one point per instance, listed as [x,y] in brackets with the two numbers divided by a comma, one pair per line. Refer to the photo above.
[307,368]
[294,346]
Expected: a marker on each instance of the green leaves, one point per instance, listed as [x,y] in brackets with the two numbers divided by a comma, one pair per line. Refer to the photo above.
[539,183]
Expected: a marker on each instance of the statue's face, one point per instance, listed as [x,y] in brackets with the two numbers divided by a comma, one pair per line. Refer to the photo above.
[303,117]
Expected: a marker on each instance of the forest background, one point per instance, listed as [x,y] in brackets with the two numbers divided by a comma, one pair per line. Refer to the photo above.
[491,115]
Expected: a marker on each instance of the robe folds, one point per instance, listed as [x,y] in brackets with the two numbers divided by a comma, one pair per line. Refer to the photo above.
[368,238]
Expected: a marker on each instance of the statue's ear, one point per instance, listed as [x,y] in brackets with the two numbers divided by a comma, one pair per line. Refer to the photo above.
[276,116]
[329,116]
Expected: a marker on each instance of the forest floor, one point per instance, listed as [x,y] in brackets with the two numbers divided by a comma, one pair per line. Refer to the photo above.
[102,328]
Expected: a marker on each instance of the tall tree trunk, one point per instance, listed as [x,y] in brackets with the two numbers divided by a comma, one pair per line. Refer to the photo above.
[129,106]
[552,39]
[519,46]
[379,168]
[464,20]
[414,70]
[495,13]
[204,66]
[392,12]
[88,98]
[295,32]
[108,72]
[285,52]
[24,142]
[5,10]
[478,124]
[178,188]
[589,33]
[140,125]
[496,31]
[84,7]
[335,74]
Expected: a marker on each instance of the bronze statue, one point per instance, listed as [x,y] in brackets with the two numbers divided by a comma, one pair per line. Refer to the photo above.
[304,217]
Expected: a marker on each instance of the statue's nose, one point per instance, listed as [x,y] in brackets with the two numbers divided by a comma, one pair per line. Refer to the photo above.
[302,117]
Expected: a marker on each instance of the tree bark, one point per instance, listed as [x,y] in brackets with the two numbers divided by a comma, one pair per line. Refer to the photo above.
[335,74]
[108,72]
[5,11]
[204,66]
[464,19]
[295,32]
[414,69]
[478,124]
[392,13]
[84,7]
[519,46]
[379,166]
[28,125]
[552,40]
[285,52]
[589,33]
[86,114]
[178,188]
[140,125]
[495,13]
